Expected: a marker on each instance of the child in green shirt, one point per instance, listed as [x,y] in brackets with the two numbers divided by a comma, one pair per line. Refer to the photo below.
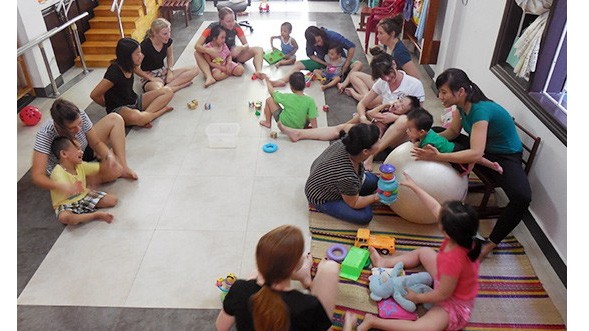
[73,202]
[419,130]
[294,110]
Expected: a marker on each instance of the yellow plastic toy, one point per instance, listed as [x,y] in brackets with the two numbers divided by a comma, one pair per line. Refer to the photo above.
[384,244]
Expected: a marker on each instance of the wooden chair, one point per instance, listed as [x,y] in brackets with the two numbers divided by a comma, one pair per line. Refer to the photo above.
[487,187]
[168,7]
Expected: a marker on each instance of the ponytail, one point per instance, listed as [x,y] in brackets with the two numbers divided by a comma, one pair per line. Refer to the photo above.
[475,251]
[278,254]
[461,223]
[269,311]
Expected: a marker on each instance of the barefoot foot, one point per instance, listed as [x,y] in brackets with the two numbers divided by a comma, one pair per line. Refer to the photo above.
[350,321]
[277,83]
[486,250]
[129,174]
[291,133]
[265,124]
[209,81]
[105,217]
[375,259]
[366,323]
[348,91]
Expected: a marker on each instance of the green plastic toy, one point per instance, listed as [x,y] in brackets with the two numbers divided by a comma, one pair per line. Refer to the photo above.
[353,264]
[273,56]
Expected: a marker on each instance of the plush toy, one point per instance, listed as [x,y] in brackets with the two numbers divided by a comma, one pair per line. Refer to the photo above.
[387,282]
[380,282]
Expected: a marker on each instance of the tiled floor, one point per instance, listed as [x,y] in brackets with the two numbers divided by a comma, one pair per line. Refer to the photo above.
[196,213]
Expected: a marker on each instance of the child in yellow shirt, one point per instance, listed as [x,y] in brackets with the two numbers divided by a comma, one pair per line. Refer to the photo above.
[73,202]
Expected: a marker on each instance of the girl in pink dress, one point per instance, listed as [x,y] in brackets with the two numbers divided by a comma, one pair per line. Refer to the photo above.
[223,65]
[455,269]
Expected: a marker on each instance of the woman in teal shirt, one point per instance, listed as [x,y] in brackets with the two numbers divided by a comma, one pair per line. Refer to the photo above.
[492,134]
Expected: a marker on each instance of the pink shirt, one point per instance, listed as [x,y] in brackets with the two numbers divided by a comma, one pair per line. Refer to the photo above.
[456,264]
[223,53]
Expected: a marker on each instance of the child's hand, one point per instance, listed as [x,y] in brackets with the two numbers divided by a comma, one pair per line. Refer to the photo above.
[71,189]
[427,153]
[411,295]
[409,182]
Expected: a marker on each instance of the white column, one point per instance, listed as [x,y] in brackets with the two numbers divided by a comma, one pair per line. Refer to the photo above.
[30,25]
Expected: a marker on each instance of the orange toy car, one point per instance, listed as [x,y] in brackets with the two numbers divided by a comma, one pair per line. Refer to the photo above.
[384,244]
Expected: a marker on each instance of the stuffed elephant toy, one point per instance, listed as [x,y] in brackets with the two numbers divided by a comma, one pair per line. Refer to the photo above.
[387,282]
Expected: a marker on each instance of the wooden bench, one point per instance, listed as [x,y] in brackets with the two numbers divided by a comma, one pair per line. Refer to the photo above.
[168,7]
[487,187]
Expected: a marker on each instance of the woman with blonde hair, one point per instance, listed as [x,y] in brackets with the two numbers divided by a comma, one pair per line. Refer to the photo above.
[267,302]
[157,46]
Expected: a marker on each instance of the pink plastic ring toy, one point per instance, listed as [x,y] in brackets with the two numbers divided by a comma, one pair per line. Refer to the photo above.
[337,252]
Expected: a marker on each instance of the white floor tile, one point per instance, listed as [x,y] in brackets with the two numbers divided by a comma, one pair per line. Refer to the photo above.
[151,153]
[140,202]
[201,160]
[291,159]
[88,267]
[180,268]
[208,203]
[276,201]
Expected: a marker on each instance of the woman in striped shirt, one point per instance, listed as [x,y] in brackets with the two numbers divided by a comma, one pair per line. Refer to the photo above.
[338,185]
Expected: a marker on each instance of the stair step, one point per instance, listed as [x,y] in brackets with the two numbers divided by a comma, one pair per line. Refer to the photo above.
[105,34]
[112,23]
[128,2]
[99,47]
[128,11]
[96,60]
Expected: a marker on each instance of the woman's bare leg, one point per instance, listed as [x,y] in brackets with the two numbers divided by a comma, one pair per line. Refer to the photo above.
[424,256]
[205,68]
[182,78]
[435,319]
[394,136]
[111,130]
[325,133]
[257,53]
[298,66]
[325,283]
[154,101]
[361,83]
[154,104]
[285,62]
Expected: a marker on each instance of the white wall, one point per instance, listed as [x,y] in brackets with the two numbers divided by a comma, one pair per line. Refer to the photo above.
[30,25]
[468,42]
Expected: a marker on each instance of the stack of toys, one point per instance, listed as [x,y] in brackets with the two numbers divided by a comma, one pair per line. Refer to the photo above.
[224,284]
[387,184]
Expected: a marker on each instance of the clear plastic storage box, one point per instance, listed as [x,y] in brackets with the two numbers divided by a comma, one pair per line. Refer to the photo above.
[222,135]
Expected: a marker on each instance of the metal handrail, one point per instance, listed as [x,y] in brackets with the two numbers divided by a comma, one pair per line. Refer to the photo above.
[118,6]
[62,4]
[39,42]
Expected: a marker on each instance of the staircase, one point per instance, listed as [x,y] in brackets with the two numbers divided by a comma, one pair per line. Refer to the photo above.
[101,38]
